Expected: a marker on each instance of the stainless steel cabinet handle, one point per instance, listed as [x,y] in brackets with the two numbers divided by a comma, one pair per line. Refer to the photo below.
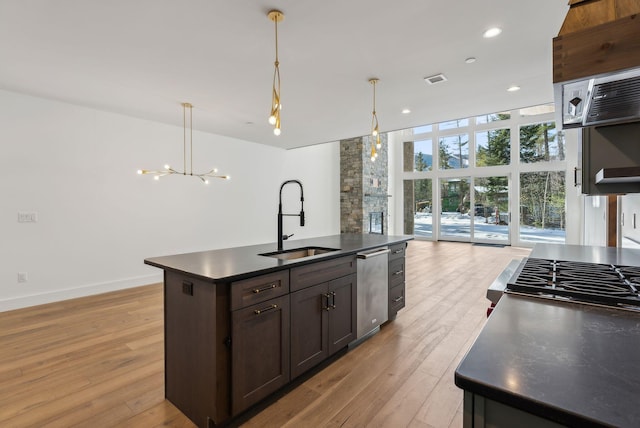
[373,254]
[333,300]
[398,251]
[400,272]
[268,287]
[268,308]
[397,299]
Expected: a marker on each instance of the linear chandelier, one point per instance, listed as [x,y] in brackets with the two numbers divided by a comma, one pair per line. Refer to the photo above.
[274,118]
[170,171]
[375,128]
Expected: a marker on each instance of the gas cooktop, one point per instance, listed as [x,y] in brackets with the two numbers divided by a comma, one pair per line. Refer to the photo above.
[577,281]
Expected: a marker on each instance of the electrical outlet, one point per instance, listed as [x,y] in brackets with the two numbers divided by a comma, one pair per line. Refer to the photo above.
[27,217]
[22,277]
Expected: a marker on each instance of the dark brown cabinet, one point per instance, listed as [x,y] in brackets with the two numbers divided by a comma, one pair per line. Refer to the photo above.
[309,328]
[342,312]
[323,311]
[197,363]
[396,279]
[259,338]
[609,148]
[230,344]
[260,351]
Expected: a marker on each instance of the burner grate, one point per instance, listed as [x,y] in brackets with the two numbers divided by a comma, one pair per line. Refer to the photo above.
[586,282]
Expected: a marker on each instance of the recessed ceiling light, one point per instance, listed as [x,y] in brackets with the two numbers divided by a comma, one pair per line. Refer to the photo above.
[492,32]
[406,111]
[513,88]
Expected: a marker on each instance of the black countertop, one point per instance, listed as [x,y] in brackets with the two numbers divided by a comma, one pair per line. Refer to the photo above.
[232,264]
[574,363]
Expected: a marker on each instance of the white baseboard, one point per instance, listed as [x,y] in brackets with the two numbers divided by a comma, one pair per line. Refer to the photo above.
[72,293]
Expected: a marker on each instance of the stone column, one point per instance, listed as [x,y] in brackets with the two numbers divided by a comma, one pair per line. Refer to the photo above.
[364,185]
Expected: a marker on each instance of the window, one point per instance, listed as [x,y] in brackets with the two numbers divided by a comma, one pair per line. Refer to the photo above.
[418,198]
[488,118]
[541,143]
[493,147]
[453,124]
[489,170]
[542,202]
[454,151]
[423,155]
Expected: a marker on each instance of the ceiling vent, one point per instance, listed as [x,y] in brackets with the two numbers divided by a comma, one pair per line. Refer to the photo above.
[438,78]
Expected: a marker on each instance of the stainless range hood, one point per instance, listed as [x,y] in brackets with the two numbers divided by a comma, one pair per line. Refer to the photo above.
[608,99]
[596,64]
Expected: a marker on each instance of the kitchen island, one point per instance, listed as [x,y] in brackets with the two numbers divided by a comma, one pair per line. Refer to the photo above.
[547,363]
[241,323]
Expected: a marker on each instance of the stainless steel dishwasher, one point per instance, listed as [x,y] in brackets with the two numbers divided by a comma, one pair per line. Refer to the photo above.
[373,290]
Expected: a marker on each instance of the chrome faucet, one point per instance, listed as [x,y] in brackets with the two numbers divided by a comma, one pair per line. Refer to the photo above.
[282,237]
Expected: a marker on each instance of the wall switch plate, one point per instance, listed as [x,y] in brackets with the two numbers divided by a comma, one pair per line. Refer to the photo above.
[22,277]
[27,217]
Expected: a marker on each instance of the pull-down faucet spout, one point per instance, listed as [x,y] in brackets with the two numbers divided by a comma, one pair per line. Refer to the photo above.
[282,237]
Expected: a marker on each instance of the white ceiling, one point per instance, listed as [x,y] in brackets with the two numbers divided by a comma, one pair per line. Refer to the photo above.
[144,57]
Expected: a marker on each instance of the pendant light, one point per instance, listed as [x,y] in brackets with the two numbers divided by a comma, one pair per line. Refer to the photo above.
[375,127]
[274,118]
[170,171]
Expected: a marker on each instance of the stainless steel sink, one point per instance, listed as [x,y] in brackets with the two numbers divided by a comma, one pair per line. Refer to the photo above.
[298,253]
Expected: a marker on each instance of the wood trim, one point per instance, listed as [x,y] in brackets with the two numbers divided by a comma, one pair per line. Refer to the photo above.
[585,14]
[605,48]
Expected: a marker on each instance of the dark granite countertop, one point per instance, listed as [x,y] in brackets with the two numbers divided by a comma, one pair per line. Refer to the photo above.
[241,262]
[572,363]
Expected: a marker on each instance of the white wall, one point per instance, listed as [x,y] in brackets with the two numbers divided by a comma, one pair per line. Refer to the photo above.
[97,219]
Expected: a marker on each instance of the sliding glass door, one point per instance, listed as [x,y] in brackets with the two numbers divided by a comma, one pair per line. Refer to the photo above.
[491,216]
[475,209]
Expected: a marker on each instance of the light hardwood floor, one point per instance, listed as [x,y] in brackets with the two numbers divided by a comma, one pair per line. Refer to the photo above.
[98,361]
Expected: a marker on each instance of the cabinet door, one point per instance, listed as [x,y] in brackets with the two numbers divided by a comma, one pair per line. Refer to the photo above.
[342,312]
[609,147]
[309,328]
[260,349]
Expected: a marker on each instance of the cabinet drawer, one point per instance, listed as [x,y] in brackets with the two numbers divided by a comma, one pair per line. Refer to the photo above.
[316,273]
[397,251]
[258,289]
[396,272]
[396,298]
